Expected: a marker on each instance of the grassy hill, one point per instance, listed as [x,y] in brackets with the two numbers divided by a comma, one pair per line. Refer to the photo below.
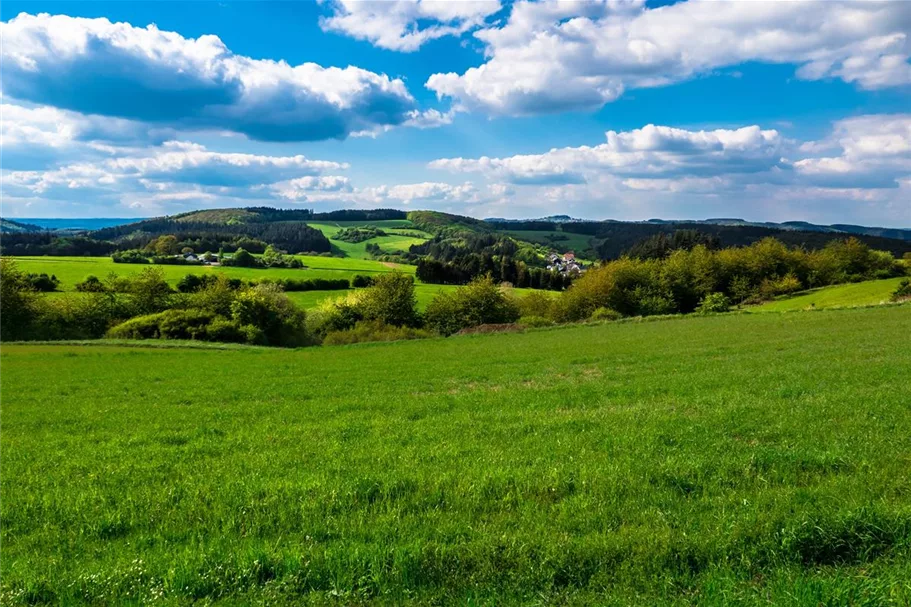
[748,459]
[402,234]
[866,293]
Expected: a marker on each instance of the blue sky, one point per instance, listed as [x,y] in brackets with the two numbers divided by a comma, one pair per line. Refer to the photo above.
[762,110]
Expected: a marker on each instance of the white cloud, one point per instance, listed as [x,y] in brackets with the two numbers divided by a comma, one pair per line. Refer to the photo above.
[177,166]
[652,151]
[303,188]
[869,152]
[405,25]
[93,66]
[552,57]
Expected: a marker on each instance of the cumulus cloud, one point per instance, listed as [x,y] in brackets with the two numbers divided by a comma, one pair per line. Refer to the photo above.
[556,56]
[93,66]
[864,152]
[304,188]
[652,151]
[175,166]
[405,25]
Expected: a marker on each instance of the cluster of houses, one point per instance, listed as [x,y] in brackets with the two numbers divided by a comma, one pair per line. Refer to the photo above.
[564,264]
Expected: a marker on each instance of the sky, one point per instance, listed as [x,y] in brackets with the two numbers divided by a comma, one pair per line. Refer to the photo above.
[615,109]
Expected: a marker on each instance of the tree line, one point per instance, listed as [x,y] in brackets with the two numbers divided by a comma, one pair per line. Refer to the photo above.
[220,309]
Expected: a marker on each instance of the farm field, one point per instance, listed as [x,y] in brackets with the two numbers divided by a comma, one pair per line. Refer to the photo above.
[752,459]
[573,242]
[866,293]
[71,270]
[406,236]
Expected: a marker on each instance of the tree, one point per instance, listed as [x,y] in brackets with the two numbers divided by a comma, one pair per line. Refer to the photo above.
[149,291]
[390,300]
[18,302]
[477,303]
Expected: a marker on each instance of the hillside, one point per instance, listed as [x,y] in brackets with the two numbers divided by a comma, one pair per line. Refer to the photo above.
[754,459]
[9,226]
[867,293]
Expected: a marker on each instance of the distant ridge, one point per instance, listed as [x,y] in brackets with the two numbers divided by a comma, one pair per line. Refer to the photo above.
[804,226]
[77,224]
[10,226]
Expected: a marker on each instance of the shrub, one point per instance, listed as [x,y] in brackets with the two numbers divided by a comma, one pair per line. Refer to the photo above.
[18,302]
[714,303]
[87,316]
[149,292]
[477,303]
[366,331]
[42,282]
[535,304]
[605,314]
[360,281]
[224,330]
[266,308]
[534,321]
[390,300]
[91,284]
[242,259]
[129,256]
[903,291]
[141,327]
[773,287]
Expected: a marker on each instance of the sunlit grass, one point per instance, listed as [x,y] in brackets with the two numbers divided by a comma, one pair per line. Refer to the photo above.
[749,459]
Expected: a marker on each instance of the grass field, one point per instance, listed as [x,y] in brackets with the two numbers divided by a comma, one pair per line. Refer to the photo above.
[71,270]
[574,242]
[745,459]
[405,236]
[866,293]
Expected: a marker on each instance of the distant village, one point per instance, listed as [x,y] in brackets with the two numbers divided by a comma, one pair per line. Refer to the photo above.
[564,264]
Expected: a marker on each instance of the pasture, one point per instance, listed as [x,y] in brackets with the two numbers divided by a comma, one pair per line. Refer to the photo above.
[561,241]
[402,237]
[867,293]
[751,458]
[71,270]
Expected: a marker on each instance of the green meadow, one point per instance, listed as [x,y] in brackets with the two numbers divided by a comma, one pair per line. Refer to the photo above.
[71,270]
[402,236]
[867,293]
[756,459]
[572,242]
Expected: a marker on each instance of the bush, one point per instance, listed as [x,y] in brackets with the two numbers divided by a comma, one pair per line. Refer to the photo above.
[477,303]
[266,308]
[129,256]
[18,302]
[390,300]
[366,331]
[241,259]
[42,282]
[171,324]
[224,330]
[605,314]
[360,281]
[714,303]
[536,304]
[903,291]
[149,292]
[310,284]
[91,284]
[773,287]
